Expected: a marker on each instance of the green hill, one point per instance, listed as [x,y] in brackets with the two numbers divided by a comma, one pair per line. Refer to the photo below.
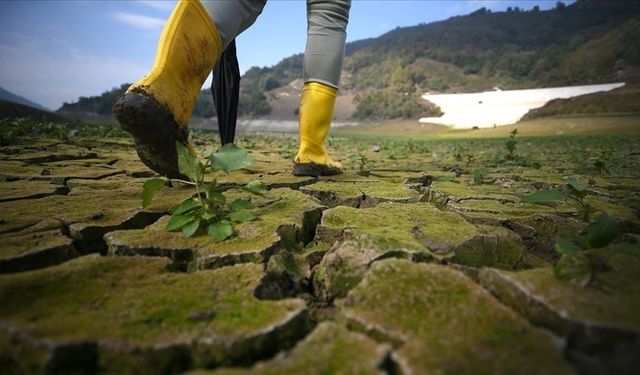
[586,42]
[103,104]
[11,97]
[10,110]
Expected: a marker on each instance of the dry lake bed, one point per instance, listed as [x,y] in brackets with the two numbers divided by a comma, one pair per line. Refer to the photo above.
[494,256]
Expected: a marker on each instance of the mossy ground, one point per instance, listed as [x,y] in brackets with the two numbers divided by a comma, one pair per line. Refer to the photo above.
[329,349]
[135,299]
[280,223]
[448,324]
[456,204]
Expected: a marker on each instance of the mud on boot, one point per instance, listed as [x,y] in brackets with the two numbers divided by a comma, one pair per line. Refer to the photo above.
[154,131]
[315,170]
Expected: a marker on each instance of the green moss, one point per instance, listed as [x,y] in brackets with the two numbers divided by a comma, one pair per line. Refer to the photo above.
[341,269]
[616,211]
[494,209]
[616,302]
[392,225]
[134,300]
[281,208]
[28,189]
[448,323]
[456,191]
[88,207]
[15,245]
[490,251]
[329,349]
[62,171]
[357,192]
[19,357]
[273,180]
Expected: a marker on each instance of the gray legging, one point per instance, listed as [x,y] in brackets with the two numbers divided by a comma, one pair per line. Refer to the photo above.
[326,32]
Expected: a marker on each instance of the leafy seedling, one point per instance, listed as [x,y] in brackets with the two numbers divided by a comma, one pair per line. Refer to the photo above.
[209,209]
[511,145]
[360,161]
[574,192]
[471,160]
[286,150]
[478,176]
[578,264]
[577,192]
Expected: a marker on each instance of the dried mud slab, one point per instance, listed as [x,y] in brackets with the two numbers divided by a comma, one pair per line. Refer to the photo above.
[539,232]
[58,172]
[285,219]
[129,315]
[329,349]
[15,190]
[389,227]
[51,153]
[598,320]
[448,324]
[457,192]
[39,246]
[416,231]
[272,180]
[133,168]
[90,210]
[361,192]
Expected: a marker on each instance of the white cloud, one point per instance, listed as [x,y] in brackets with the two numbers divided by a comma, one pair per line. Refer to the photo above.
[51,77]
[139,21]
[163,5]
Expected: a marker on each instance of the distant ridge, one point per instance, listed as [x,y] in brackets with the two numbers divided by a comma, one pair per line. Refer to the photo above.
[11,97]
[584,43]
[11,110]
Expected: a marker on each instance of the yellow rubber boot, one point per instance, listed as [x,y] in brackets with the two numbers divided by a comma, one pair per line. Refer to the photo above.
[157,108]
[316,112]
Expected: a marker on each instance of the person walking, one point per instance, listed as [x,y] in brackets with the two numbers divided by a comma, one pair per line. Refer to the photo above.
[156,109]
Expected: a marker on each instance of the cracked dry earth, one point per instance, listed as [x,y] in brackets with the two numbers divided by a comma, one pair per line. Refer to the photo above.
[410,268]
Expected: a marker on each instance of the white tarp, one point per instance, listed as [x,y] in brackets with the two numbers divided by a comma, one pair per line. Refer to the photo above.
[489,108]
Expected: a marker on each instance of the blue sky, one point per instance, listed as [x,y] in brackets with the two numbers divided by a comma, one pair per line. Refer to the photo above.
[56,51]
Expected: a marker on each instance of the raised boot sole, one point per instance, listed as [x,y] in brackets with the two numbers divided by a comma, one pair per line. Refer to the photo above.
[314,170]
[154,130]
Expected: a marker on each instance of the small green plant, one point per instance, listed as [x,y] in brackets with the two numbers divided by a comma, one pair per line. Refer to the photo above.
[478,176]
[577,192]
[457,153]
[601,164]
[287,150]
[360,161]
[471,160]
[574,192]
[580,265]
[209,209]
[511,145]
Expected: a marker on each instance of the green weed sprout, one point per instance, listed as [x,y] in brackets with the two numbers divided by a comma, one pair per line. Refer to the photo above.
[286,150]
[511,145]
[577,193]
[578,264]
[209,210]
[574,192]
[361,162]
[478,176]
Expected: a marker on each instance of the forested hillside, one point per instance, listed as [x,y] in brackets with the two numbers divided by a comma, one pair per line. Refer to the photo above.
[583,43]
[586,42]
[103,103]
